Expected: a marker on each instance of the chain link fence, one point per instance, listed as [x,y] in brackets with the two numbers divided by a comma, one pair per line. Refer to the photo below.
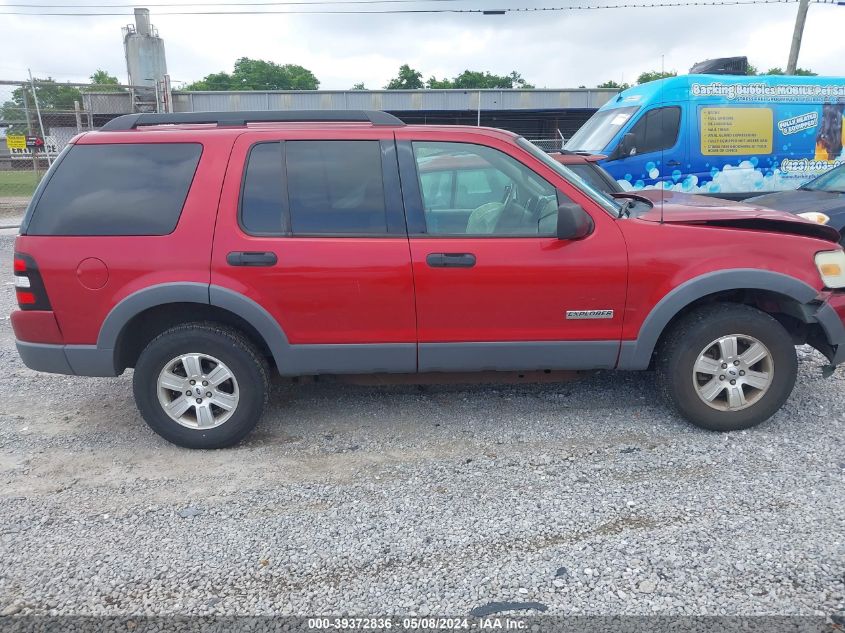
[37,121]
[548,144]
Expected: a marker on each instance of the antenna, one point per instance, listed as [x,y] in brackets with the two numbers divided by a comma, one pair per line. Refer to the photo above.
[662,132]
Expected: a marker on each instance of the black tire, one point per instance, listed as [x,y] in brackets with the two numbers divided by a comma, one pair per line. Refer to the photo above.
[240,356]
[681,347]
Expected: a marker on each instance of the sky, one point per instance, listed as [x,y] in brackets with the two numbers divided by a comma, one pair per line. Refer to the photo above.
[562,49]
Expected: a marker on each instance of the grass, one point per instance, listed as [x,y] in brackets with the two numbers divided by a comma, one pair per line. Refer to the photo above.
[18,184]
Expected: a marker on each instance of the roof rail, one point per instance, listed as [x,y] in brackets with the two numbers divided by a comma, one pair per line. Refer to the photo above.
[132,121]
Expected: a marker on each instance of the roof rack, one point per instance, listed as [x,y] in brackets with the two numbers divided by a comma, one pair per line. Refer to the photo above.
[132,121]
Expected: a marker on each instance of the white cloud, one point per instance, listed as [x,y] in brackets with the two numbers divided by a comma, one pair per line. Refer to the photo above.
[550,49]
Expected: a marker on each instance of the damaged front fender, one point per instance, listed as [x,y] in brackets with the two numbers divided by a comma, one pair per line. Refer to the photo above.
[830,315]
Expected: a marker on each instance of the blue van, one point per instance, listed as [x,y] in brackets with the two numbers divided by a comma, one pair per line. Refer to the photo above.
[723,135]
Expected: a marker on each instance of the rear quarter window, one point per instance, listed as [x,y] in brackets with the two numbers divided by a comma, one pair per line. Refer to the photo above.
[117,189]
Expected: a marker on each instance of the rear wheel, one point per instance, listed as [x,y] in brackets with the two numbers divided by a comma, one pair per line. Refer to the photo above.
[200,385]
[727,367]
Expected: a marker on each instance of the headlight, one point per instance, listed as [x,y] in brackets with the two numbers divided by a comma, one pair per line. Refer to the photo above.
[815,216]
[831,265]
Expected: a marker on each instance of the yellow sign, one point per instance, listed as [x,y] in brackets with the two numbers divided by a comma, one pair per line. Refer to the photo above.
[16,142]
[736,131]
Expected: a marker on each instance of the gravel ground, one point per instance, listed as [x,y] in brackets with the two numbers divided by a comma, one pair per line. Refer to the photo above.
[589,497]
[11,210]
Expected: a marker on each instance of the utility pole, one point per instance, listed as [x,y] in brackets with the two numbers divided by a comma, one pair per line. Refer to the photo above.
[800,19]
[40,120]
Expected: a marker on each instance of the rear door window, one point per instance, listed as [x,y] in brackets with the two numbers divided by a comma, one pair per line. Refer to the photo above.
[117,189]
[263,197]
[314,188]
[335,187]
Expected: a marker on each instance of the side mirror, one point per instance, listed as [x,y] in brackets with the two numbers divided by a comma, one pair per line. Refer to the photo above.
[628,146]
[573,223]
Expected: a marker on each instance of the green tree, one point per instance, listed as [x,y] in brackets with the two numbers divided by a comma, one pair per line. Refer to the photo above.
[439,84]
[802,72]
[257,74]
[359,86]
[654,75]
[777,70]
[104,82]
[613,84]
[475,79]
[518,82]
[480,80]
[407,79]
[52,97]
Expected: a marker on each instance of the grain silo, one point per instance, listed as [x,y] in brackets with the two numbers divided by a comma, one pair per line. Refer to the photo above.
[145,60]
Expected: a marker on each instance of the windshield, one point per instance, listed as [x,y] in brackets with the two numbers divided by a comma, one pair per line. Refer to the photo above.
[597,132]
[833,181]
[607,203]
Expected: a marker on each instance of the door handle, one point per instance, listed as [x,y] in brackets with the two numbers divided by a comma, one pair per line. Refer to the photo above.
[450,260]
[251,258]
[672,163]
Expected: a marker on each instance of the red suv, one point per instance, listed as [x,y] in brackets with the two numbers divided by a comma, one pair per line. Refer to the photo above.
[204,249]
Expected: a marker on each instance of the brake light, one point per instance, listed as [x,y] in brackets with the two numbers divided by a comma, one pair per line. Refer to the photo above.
[29,286]
[25,298]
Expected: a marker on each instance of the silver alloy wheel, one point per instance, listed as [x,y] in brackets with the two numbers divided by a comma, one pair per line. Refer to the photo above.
[197,391]
[733,372]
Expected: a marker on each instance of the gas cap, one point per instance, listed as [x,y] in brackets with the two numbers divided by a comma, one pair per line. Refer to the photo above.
[92,273]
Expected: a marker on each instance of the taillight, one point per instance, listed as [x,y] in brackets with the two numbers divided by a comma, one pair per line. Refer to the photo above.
[29,287]
[25,298]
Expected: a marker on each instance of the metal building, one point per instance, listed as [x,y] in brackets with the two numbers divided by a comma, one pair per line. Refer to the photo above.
[537,114]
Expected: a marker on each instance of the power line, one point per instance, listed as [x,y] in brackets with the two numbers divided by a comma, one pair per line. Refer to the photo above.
[212,4]
[627,5]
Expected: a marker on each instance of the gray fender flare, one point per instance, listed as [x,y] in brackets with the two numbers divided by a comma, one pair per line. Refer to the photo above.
[104,362]
[263,322]
[191,292]
[137,302]
[637,354]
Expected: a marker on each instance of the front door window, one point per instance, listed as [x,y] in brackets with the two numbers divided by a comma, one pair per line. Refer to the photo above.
[476,190]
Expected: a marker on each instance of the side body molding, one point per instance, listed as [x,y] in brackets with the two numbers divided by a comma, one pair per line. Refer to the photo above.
[291,360]
[297,360]
[637,354]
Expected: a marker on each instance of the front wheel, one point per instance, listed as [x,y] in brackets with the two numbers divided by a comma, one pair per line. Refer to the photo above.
[727,367]
[200,385]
